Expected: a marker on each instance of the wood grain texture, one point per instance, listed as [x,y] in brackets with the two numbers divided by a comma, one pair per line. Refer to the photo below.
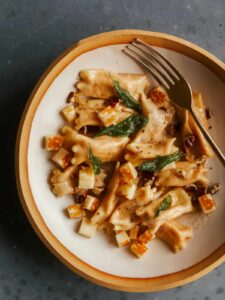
[28,203]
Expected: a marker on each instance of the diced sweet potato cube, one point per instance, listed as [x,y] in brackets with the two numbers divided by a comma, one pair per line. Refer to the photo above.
[63,188]
[75,211]
[158,96]
[207,203]
[87,229]
[91,203]
[53,142]
[86,178]
[69,113]
[127,172]
[122,239]
[62,158]
[145,237]
[126,191]
[134,232]
[108,116]
[127,184]
[139,249]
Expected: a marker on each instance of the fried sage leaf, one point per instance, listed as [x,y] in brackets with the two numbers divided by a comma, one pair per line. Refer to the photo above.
[157,164]
[95,161]
[164,205]
[127,127]
[126,97]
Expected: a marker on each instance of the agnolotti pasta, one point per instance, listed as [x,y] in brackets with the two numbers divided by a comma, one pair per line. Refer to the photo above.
[62,181]
[105,147]
[193,140]
[109,201]
[136,152]
[184,173]
[180,204]
[124,216]
[132,162]
[175,235]
[98,83]
[153,139]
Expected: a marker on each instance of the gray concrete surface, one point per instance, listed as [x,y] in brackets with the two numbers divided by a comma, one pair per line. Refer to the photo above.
[32,34]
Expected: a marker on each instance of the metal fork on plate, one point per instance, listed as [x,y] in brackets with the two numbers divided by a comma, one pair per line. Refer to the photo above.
[170,78]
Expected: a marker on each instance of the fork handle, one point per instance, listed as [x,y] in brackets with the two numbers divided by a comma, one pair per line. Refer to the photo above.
[215,148]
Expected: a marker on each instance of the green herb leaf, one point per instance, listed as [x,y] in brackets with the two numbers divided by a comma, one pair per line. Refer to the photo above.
[126,97]
[164,205]
[125,128]
[95,161]
[157,164]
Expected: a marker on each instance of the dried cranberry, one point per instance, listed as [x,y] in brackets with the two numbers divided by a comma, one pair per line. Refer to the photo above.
[192,188]
[190,141]
[78,199]
[70,97]
[173,128]
[213,189]
[202,190]
[176,126]
[147,176]
[197,190]
[88,130]
[113,102]
[208,113]
[80,195]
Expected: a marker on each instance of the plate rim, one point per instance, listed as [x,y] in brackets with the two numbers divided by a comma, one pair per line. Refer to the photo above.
[21,164]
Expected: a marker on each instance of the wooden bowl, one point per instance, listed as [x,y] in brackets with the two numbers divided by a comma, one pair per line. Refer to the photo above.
[102,265]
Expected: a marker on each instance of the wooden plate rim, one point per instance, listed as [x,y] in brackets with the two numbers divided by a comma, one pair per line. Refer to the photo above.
[21,165]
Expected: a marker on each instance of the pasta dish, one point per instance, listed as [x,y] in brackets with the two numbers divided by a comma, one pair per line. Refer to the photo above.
[132,161]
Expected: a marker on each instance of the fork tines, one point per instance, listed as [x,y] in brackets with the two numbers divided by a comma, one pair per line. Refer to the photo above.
[159,67]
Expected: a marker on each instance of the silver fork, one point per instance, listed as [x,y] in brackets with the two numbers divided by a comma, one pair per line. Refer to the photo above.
[173,82]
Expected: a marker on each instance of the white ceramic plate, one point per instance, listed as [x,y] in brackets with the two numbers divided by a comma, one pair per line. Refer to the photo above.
[99,252]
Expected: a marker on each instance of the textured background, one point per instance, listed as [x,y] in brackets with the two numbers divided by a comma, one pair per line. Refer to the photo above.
[32,34]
